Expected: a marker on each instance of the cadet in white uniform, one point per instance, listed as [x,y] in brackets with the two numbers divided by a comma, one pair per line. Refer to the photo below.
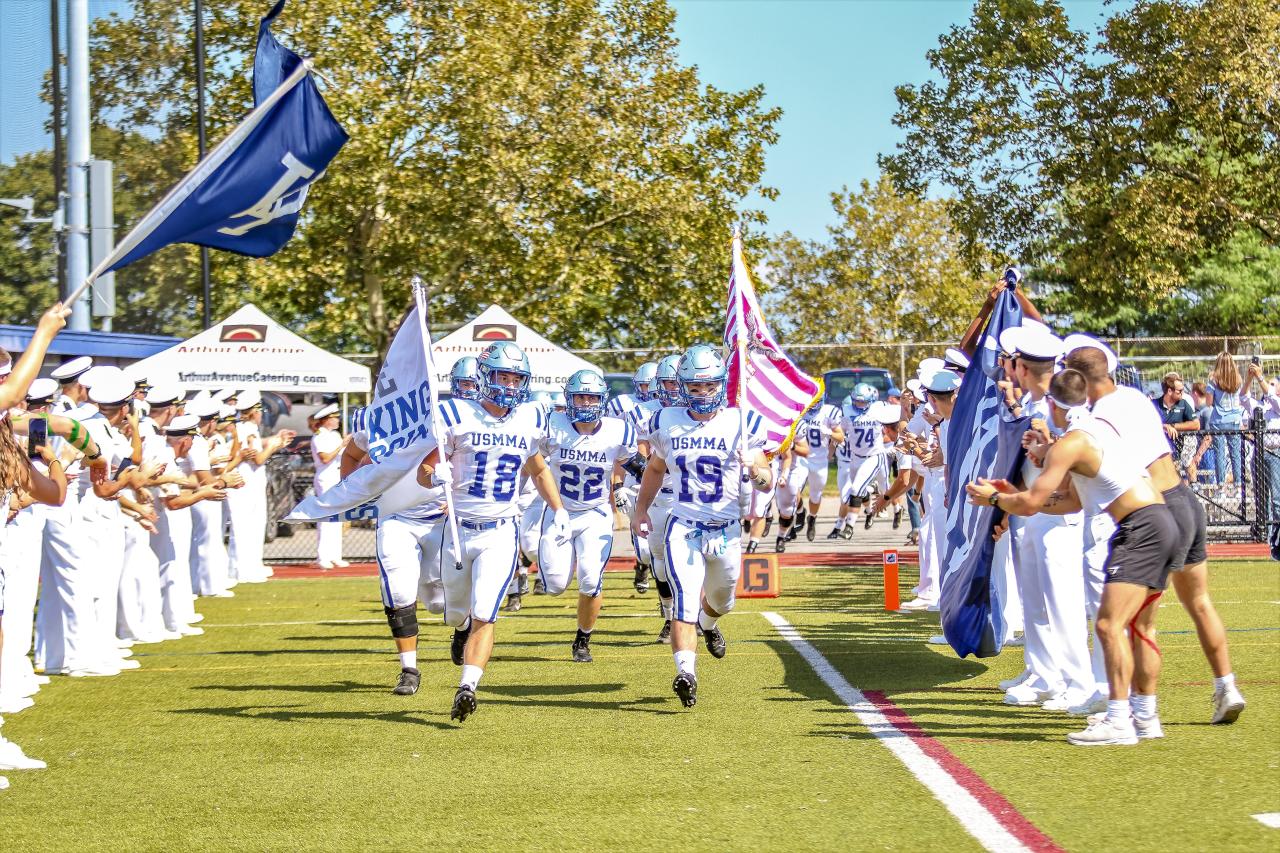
[485,447]
[1049,555]
[248,506]
[326,449]
[585,451]
[208,553]
[701,453]
[940,386]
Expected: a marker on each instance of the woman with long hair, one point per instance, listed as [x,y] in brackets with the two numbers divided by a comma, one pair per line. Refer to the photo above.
[1226,413]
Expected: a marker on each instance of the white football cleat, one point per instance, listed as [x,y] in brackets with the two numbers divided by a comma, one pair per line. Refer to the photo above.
[1227,705]
[1104,732]
[915,604]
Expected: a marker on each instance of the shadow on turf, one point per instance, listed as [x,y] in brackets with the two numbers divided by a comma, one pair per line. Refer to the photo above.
[286,714]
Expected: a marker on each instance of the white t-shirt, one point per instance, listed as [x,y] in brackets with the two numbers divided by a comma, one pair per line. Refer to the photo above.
[582,464]
[1129,412]
[328,474]
[486,455]
[702,461]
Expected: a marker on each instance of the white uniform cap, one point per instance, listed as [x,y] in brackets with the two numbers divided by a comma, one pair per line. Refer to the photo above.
[1035,344]
[1028,323]
[182,425]
[1079,341]
[326,411]
[226,413]
[914,386]
[203,408]
[6,368]
[956,357]
[42,391]
[142,407]
[67,372]
[96,373]
[163,393]
[248,399]
[886,413]
[225,394]
[941,381]
[111,386]
[930,365]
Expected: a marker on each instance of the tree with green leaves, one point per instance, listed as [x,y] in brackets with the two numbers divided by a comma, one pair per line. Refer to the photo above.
[554,157]
[891,271]
[1116,165]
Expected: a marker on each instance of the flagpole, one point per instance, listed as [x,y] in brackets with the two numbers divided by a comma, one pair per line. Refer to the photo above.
[193,179]
[739,262]
[420,297]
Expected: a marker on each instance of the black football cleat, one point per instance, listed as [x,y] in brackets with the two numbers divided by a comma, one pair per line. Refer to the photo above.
[686,687]
[582,650]
[641,580]
[513,604]
[836,533]
[664,636]
[539,588]
[752,545]
[847,533]
[464,704]
[897,518]
[522,583]
[459,645]
[715,641]
[781,545]
[811,528]
[866,521]
[768,525]
[410,678]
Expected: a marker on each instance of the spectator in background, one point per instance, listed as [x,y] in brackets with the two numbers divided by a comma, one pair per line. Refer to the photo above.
[1226,414]
[1204,454]
[1175,411]
[1267,399]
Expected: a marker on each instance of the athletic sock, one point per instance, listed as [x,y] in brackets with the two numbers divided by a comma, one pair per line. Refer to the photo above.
[666,608]
[1118,711]
[684,661]
[409,659]
[1225,682]
[470,676]
[705,622]
[753,542]
[583,635]
[1144,707]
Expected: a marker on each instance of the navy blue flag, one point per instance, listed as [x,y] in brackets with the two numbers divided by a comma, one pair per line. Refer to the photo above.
[246,195]
[982,441]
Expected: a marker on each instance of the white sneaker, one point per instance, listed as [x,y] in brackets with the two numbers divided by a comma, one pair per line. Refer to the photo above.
[191,631]
[4,783]
[1148,729]
[171,635]
[326,565]
[226,593]
[1105,733]
[125,644]
[130,664]
[94,671]
[13,758]
[196,617]
[42,680]
[938,640]
[1056,703]
[254,579]
[15,704]
[342,564]
[1010,683]
[270,571]
[1026,696]
[916,604]
[1227,705]
[1096,704]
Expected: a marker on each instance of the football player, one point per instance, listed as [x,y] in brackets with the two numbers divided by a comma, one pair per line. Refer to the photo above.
[585,451]
[700,452]
[859,461]
[484,447]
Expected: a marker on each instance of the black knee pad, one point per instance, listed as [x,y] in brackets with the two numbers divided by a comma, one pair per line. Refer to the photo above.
[403,620]
[785,522]
[525,560]
[664,589]
[851,503]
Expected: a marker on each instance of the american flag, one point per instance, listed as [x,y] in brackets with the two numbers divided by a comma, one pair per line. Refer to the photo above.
[774,387]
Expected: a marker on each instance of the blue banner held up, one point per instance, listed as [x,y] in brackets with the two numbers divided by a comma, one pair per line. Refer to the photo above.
[982,441]
[246,196]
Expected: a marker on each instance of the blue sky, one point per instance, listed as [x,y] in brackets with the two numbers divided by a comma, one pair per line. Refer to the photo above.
[831,65]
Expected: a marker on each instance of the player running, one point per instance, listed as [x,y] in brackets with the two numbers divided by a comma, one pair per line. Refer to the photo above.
[700,452]
[585,450]
[636,409]
[821,429]
[859,461]
[486,444]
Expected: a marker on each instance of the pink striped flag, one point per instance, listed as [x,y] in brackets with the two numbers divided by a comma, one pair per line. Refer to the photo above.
[774,387]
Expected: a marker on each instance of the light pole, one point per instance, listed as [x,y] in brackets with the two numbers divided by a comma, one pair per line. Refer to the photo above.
[205,289]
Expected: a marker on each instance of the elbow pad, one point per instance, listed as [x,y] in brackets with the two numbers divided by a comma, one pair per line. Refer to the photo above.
[635,466]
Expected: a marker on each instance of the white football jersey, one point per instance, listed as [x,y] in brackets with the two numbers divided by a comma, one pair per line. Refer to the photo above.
[487,453]
[863,435]
[702,461]
[583,464]
[625,406]
[666,495]
[816,428]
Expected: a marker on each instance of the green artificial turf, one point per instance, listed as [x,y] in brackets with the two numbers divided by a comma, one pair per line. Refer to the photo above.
[277,730]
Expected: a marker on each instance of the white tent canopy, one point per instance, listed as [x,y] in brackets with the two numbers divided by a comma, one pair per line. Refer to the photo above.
[550,366]
[250,350]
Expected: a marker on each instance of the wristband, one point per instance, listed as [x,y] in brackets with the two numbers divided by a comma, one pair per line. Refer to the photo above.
[994,500]
[75,433]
